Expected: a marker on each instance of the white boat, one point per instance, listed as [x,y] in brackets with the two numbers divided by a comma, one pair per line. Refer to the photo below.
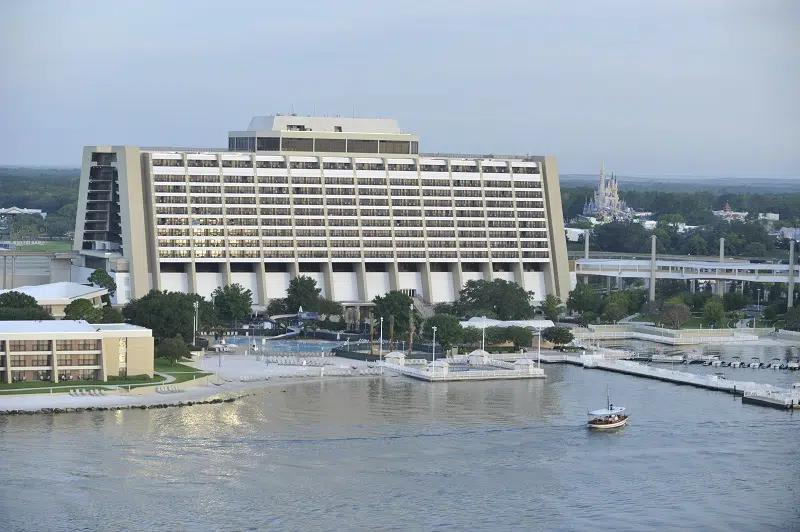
[755,363]
[610,417]
[775,364]
[736,362]
[793,364]
[668,359]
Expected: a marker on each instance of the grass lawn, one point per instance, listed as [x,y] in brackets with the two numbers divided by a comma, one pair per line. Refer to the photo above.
[181,372]
[53,245]
[14,387]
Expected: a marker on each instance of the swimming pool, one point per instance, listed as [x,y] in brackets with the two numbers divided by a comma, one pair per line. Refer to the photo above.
[287,346]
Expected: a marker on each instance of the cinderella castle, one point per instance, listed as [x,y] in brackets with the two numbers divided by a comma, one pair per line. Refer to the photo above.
[606,202]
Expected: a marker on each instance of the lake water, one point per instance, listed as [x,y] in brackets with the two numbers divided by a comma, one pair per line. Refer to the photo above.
[398,454]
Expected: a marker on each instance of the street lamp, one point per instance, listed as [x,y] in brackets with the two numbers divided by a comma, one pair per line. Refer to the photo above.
[196,306]
[380,349]
[483,335]
[434,345]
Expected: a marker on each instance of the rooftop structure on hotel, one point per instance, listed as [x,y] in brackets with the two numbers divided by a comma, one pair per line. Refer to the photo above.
[349,202]
[54,297]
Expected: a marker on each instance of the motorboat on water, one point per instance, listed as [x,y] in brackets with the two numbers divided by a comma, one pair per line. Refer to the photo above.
[736,362]
[793,364]
[714,361]
[755,363]
[721,376]
[775,364]
[610,417]
[668,359]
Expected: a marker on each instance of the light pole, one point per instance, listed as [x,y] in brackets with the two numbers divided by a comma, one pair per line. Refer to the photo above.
[483,335]
[196,306]
[539,350]
[434,346]
[380,349]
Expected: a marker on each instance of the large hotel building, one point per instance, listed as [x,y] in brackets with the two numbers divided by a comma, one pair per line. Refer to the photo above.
[349,202]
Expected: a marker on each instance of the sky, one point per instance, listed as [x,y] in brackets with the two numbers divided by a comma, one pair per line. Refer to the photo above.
[656,87]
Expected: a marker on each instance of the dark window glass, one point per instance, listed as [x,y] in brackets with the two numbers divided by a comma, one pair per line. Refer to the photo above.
[297,144]
[103,158]
[330,145]
[362,146]
[268,144]
[394,146]
[414,146]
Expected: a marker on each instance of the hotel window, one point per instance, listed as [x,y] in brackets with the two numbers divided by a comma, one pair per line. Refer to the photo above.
[362,146]
[29,345]
[534,170]
[167,162]
[268,144]
[307,190]
[339,180]
[527,184]
[172,210]
[203,179]
[203,163]
[271,164]
[304,165]
[496,184]
[395,146]
[463,168]
[297,144]
[330,145]
[530,204]
[239,179]
[495,169]
[434,168]
[247,163]
[370,166]
[337,166]
[309,212]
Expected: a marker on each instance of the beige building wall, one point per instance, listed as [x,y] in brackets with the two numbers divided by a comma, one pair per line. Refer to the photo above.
[140,356]
[557,270]
[132,212]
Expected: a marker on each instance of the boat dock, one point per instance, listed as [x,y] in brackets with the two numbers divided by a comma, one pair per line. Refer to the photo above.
[442,373]
[751,392]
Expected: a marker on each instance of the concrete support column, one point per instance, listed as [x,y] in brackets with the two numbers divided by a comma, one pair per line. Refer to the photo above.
[519,277]
[693,285]
[652,294]
[361,283]
[5,273]
[608,285]
[586,244]
[790,291]
[427,287]
[7,356]
[619,284]
[458,282]
[226,273]
[294,270]
[261,283]
[13,271]
[54,363]
[722,250]
[191,272]
[394,276]
[720,287]
[327,274]
[488,272]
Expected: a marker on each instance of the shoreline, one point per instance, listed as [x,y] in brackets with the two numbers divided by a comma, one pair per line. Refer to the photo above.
[257,374]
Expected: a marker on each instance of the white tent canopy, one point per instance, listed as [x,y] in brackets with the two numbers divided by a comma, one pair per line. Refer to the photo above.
[478,323]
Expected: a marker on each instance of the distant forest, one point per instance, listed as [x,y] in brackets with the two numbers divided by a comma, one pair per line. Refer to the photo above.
[48,189]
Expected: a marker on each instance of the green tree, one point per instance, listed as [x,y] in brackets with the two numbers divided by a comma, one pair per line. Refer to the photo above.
[557,335]
[519,336]
[83,309]
[397,304]
[584,300]
[499,299]
[303,292]
[172,349]
[471,336]
[327,307]
[277,307]
[615,310]
[793,319]
[16,306]
[551,307]
[675,314]
[233,301]
[734,301]
[714,312]
[448,329]
[100,277]
[111,315]
[169,314]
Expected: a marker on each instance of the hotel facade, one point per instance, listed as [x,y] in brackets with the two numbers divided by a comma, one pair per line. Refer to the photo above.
[62,350]
[349,202]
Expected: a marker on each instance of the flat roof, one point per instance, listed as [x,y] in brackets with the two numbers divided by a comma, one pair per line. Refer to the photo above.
[118,327]
[59,291]
[46,326]
[329,124]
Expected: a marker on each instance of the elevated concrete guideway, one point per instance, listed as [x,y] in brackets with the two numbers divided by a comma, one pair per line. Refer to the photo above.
[22,268]
[691,270]
[678,269]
